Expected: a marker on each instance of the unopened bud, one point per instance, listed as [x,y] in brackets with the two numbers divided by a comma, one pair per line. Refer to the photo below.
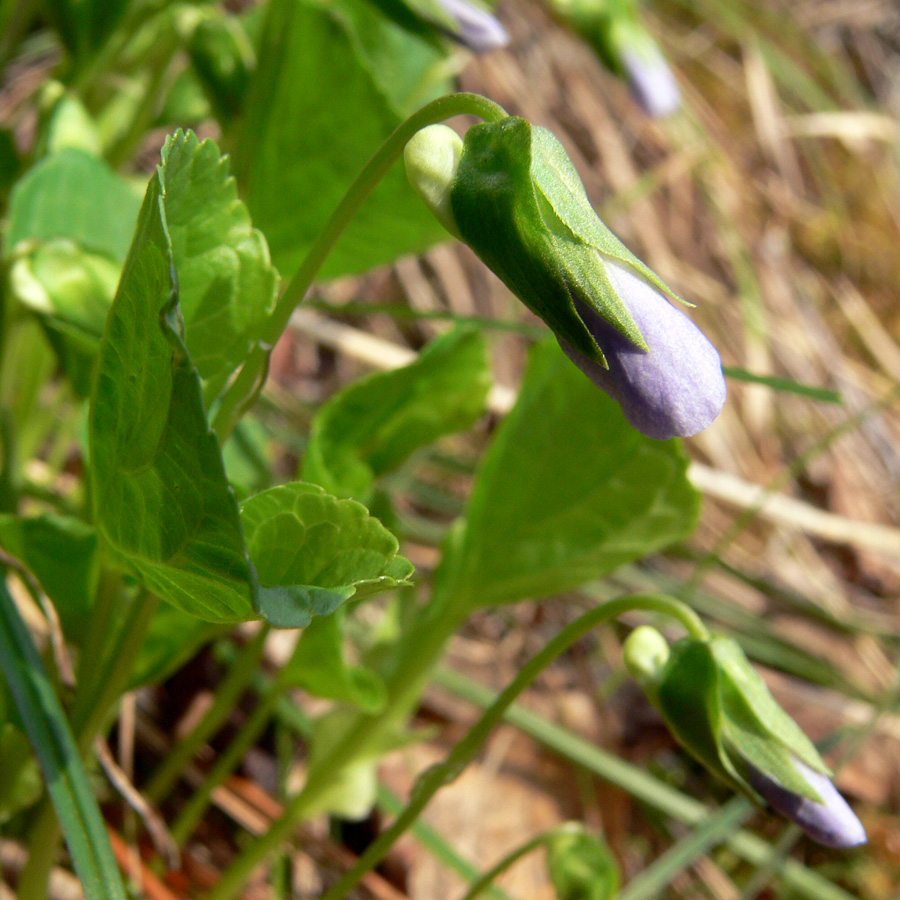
[645,652]
[432,157]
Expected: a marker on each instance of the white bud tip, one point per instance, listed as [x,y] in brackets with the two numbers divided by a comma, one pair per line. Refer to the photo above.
[645,652]
[431,157]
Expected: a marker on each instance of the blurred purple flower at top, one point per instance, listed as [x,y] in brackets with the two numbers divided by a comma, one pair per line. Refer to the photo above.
[676,388]
[651,80]
[830,822]
[477,28]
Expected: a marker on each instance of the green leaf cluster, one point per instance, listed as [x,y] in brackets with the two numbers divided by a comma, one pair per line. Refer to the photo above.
[161,496]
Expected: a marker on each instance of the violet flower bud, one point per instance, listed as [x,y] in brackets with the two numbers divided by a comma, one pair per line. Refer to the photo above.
[651,80]
[674,388]
[721,711]
[475,27]
[618,36]
[510,191]
[830,822]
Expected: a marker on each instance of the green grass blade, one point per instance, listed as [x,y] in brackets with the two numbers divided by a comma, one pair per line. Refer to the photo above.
[67,782]
[715,830]
[785,385]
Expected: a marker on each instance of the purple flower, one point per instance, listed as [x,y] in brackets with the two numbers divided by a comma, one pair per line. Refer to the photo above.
[477,28]
[651,80]
[674,389]
[830,822]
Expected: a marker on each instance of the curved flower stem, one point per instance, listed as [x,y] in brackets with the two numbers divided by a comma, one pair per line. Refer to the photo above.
[442,774]
[245,388]
[423,650]
[512,858]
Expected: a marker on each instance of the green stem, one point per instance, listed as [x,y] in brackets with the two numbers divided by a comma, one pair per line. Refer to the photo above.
[511,859]
[438,776]
[643,787]
[417,657]
[90,710]
[194,809]
[227,694]
[421,650]
[248,382]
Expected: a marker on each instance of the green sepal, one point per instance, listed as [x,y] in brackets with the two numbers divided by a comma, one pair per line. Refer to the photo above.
[756,726]
[518,201]
[720,709]
[689,698]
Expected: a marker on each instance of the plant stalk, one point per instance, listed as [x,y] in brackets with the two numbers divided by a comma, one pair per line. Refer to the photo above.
[246,387]
[228,693]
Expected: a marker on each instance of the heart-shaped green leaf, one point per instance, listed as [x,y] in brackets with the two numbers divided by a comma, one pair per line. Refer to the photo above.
[567,492]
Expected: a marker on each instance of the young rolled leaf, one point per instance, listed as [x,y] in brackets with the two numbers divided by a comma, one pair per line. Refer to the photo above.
[370,427]
[226,282]
[162,500]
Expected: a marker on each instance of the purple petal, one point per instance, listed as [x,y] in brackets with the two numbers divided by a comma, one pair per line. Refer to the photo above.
[675,388]
[651,80]
[478,29]
[830,822]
